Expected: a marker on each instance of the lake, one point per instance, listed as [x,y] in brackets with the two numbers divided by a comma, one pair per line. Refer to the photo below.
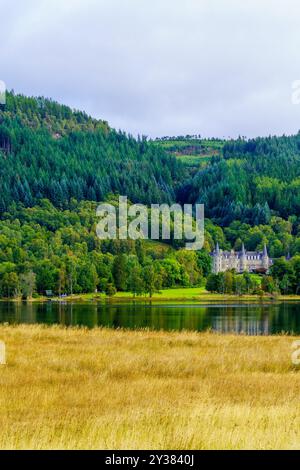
[241,318]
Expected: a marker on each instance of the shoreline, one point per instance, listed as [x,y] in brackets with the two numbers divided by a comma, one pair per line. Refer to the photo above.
[163,297]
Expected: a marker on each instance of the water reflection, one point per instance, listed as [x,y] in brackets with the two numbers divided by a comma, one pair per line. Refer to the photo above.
[250,319]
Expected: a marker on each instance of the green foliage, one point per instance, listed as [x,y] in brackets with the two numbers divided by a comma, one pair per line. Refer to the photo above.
[49,151]
[232,283]
[253,180]
[152,280]
[204,262]
[58,250]
[52,157]
[193,151]
[287,275]
[27,283]
[120,271]
[9,284]
[110,290]
[45,248]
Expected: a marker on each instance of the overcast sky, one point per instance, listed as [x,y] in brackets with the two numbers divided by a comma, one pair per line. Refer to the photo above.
[159,67]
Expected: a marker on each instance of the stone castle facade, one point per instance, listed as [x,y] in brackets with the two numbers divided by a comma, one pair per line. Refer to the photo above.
[242,261]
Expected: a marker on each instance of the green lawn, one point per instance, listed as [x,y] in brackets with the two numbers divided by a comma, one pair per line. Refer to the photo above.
[182,292]
[179,294]
[198,294]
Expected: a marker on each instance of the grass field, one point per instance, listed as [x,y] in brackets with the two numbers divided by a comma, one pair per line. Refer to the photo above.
[181,294]
[104,389]
[178,293]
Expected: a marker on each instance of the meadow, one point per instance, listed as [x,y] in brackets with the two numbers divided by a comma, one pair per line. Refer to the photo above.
[178,294]
[106,389]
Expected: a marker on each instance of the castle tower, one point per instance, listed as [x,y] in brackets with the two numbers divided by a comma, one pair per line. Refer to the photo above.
[265,258]
[243,264]
[217,259]
[232,260]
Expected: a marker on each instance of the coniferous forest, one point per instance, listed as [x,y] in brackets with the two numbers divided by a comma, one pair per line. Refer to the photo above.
[56,164]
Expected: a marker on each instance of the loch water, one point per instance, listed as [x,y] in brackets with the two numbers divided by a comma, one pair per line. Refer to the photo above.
[239,318]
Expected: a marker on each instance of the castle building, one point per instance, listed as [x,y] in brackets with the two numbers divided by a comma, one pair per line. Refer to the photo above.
[242,261]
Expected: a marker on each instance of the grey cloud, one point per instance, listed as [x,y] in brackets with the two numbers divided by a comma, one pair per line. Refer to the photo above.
[215,67]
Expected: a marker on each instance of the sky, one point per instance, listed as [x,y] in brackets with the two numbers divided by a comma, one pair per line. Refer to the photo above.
[219,68]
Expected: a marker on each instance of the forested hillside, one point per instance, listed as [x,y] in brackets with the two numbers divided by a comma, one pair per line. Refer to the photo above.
[46,248]
[56,164]
[251,181]
[49,151]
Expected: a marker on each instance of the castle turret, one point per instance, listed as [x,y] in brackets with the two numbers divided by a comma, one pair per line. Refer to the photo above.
[265,252]
[217,259]
[243,264]
[265,258]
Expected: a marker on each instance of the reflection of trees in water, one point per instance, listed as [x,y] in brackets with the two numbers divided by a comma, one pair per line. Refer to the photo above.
[287,318]
[17,312]
[257,319]
[76,314]
[158,317]
[247,320]
[251,319]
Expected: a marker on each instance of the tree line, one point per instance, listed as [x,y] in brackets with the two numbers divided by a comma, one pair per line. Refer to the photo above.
[43,248]
[46,248]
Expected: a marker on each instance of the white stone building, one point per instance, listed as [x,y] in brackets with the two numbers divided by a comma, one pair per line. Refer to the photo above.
[241,261]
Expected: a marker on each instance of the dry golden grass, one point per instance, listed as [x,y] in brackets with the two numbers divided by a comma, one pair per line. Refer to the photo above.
[104,389]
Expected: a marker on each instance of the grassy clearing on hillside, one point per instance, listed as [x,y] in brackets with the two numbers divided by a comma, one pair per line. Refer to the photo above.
[214,144]
[192,152]
[105,389]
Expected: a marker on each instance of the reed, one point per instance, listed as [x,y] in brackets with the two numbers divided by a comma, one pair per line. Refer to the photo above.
[105,389]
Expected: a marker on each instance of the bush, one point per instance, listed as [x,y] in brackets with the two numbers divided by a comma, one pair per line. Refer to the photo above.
[110,290]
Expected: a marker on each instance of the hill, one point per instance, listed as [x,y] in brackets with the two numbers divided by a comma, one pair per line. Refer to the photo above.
[50,151]
[251,181]
[57,163]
